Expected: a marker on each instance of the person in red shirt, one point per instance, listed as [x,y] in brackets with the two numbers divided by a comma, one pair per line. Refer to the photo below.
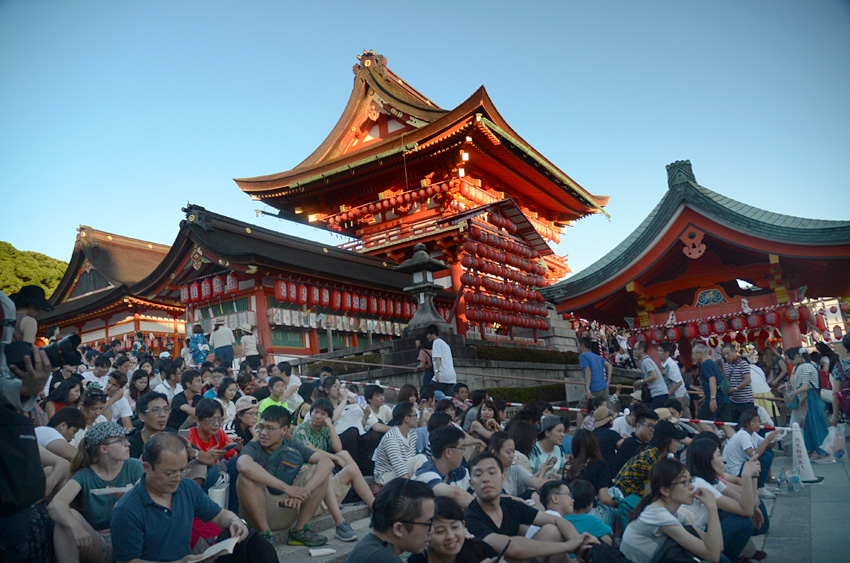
[208,436]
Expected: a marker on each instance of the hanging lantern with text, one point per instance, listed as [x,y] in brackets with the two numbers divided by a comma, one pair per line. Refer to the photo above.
[771,318]
[336,300]
[195,292]
[704,329]
[346,302]
[231,284]
[738,323]
[313,296]
[301,298]
[791,315]
[280,291]
[184,294]
[674,334]
[691,330]
[754,320]
[206,290]
[325,297]
[382,307]
[373,305]
[719,326]
[218,286]
[291,292]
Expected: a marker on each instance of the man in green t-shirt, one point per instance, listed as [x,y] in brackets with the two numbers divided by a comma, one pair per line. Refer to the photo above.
[273,490]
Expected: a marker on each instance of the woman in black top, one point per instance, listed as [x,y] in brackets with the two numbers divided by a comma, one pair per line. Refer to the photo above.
[448,543]
[589,465]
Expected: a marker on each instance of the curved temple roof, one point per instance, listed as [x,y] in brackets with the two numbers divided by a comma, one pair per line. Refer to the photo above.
[683,192]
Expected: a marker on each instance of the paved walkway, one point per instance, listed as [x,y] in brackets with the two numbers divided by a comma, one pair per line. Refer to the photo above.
[812,525]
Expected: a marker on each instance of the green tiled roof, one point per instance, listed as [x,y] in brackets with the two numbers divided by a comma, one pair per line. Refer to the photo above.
[745,218]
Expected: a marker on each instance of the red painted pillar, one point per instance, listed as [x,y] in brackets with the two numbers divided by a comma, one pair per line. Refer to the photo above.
[461,323]
[264,331]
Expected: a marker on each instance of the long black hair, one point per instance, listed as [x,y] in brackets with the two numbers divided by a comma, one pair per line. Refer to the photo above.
[585,447]
[664,473]
[700,454]
[60,392]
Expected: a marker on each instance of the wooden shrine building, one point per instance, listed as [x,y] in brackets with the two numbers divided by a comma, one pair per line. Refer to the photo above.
[95,298]
[398,170]
[303,297]
[676,276]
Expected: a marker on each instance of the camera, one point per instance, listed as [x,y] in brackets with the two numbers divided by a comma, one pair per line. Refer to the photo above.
[61,353]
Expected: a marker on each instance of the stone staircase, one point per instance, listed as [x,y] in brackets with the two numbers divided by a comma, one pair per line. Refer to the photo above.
[358,516]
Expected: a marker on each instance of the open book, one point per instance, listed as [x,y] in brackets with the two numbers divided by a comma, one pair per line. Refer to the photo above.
[111,491]
[223,547]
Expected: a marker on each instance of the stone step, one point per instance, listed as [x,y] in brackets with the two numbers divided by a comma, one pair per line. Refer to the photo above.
[301,554]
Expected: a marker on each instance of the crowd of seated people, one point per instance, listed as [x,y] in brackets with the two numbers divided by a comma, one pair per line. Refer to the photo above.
[528,485]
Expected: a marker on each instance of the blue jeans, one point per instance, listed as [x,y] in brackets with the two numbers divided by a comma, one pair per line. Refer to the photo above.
[766,461]
[737,531]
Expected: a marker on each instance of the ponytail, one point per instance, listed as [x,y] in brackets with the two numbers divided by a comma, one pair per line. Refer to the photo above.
[85,457]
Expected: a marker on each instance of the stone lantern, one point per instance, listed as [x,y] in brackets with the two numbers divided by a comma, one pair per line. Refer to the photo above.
[422,267]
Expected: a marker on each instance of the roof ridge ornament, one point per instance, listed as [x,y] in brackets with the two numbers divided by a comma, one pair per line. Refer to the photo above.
[680,172]
[369,58]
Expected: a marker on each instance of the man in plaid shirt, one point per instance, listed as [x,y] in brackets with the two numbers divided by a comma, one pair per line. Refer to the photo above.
[634,475]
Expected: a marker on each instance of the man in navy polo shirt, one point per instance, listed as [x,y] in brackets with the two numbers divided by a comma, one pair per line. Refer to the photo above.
[444,472]
[153,522]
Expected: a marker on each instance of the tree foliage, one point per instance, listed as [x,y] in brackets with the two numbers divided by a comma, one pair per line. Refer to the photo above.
[24,267]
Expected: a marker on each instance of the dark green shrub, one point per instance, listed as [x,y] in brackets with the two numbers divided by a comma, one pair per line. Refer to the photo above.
[549,393]
[315,367]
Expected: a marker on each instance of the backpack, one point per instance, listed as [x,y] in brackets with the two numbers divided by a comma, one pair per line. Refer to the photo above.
[844,394]
[672,552]
[604,553]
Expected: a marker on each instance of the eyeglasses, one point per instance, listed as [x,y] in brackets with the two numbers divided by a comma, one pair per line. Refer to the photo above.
[647,425]
[158,410]
[269,429]
[211,420]
[568,494]
[123,440]
[429,523]
[686,482]
[179,474]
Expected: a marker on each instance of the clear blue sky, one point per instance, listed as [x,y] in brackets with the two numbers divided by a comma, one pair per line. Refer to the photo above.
[114,114]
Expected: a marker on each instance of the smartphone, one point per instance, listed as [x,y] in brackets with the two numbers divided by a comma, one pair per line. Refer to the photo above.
[229,446]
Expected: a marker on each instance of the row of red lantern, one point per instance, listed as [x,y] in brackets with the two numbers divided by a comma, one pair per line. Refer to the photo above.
[845,307]
[301,294]
[390,202]
[509,258]
[503,288]
[479,196]
[471,262]
[207,289]
[502,222]
[802,315]
[475,298]
[506,319]
[493,239]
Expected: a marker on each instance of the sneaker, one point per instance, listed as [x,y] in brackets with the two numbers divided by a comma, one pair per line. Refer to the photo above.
[306,537]
[269,537]
[822,460]
[764,493]
[345,533]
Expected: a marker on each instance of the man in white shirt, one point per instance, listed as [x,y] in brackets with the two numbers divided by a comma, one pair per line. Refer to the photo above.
[444,367]
[60,430]
[673,377]
[170,385]
[117,408]
[99,373]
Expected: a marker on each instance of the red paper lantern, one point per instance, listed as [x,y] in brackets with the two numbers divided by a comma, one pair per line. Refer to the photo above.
[195,292]
[704,329]
[346,300]
[218,286]
[713,341]
[382,307]
[740,338]
[291,292]
[313,296]
[231,284]
[301,295]
[691,330]
[674,334]
[364,304]
[751,336]
[280,291]
[845,307]
[836,332]
[206,290]
[820,323]
[336,300]
[184,294]
[397,308]
[325,298]
[833,309]
[738,323]
[791,315]
[771,318]
[405,310]
[719,326]
[373,305]
[727,338]
[805,314]
[804,328]
[754,320]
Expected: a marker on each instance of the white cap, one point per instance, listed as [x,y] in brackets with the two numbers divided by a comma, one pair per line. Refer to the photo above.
[164,355]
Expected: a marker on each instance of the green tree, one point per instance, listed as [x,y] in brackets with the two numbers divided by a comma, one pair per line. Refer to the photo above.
[23,267]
